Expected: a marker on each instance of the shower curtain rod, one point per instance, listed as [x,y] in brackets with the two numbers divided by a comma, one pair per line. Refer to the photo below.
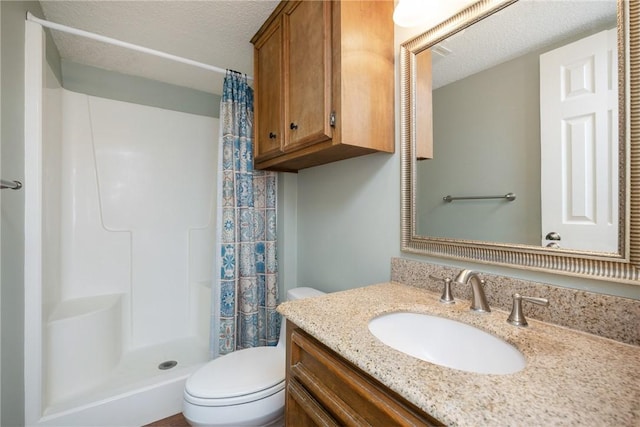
[116,42]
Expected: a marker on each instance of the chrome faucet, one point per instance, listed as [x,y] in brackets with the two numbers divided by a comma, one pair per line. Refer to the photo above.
[478,298]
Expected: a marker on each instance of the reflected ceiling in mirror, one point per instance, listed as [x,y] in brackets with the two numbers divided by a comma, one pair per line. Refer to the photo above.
[476,133]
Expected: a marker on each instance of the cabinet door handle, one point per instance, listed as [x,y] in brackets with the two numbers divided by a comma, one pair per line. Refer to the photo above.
[293,126]
[272,135]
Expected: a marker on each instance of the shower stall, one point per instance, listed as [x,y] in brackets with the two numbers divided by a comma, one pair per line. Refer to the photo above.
[120,227]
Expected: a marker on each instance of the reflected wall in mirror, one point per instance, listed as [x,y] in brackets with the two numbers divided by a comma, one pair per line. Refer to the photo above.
[530,97]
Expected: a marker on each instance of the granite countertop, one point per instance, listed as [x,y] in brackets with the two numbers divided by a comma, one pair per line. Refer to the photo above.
[571,377]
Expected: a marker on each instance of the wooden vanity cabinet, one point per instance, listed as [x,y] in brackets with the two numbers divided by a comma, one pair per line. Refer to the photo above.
[323,389]
[324,88]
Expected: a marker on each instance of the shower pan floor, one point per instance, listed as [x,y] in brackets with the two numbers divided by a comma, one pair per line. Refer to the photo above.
[138,370]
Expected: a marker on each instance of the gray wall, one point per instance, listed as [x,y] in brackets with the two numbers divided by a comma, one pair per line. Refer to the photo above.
[122,87]
[0,226]
[12,224]
[348,222]
[486,142]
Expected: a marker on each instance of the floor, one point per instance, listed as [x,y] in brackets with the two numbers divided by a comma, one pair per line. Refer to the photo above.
[179,421]
[173,421]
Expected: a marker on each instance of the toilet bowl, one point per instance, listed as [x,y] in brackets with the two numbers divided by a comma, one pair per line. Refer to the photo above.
[243,388]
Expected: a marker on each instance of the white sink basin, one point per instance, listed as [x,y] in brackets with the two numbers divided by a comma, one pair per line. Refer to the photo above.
[447,343]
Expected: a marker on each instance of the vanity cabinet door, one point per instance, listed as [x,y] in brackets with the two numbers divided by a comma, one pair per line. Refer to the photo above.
[325,390]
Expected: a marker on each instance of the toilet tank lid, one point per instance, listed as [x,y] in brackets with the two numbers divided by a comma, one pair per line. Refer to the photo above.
[303,292]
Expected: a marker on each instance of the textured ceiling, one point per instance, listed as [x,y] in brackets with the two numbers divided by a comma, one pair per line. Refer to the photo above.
[213,32]
[219,33]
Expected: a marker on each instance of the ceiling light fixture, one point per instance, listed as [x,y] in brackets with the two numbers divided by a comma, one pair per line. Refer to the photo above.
[410,13]
[427,13]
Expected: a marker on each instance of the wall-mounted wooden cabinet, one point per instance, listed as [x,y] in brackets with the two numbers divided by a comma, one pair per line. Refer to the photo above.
[325,390]
[324,88]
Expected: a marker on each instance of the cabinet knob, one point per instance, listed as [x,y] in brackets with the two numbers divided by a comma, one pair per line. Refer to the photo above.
[293,126]
[272,135]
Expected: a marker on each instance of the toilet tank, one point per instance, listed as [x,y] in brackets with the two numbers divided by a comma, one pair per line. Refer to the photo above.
[300,293]
[294,294]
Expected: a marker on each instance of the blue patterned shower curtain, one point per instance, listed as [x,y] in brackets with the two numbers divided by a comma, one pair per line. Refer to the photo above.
[245,292]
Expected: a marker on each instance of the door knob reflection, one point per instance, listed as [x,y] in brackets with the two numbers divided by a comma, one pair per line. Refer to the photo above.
[553,236]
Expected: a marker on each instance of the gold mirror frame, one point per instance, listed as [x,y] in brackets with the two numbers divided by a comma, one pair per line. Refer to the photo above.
[622,267]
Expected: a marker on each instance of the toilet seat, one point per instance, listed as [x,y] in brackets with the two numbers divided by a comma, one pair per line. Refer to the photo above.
[239,377]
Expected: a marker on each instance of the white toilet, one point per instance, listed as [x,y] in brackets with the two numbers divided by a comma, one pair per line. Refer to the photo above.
[243,388]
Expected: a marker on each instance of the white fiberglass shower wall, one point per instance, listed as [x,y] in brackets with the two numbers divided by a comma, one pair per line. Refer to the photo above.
[120,205]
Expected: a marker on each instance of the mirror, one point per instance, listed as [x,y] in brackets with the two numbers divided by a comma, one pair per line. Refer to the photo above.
[494,86]
[481,146]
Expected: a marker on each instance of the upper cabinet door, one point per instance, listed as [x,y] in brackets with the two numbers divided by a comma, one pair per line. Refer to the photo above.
[269,125]
[307,57]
